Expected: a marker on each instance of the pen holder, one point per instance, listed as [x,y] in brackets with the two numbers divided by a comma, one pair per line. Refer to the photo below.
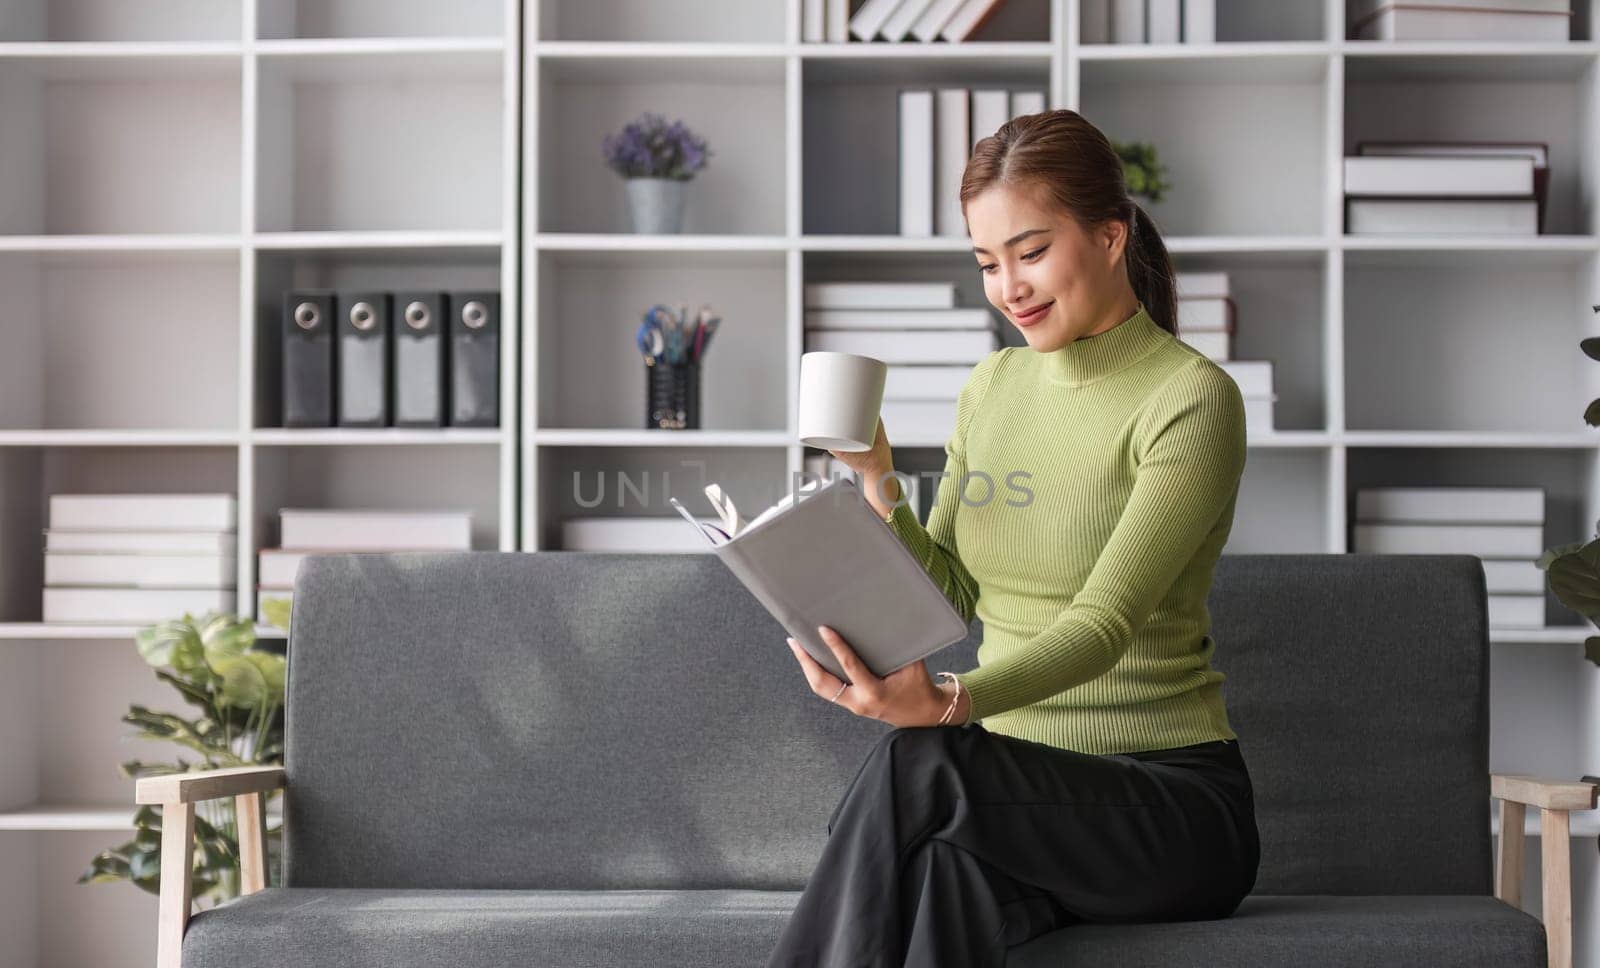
[672,396]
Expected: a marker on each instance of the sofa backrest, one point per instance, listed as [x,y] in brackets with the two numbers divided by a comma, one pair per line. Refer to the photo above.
[613,721]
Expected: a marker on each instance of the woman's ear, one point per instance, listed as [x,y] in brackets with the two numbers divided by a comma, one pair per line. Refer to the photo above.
[1113,237]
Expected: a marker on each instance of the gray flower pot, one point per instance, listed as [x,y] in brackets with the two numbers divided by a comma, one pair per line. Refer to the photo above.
[656,205]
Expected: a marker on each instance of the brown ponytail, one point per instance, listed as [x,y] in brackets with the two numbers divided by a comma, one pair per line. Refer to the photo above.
[1074,163]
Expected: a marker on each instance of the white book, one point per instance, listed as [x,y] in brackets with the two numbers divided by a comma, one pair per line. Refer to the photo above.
[899,23]
[1026,102]
[1402,22]
[1203,314]
[927,27]
[1478,216]
[990,110]
[365,530]
[132,606]
[837,22]
[880,295]
[1095,22]
[1456,505]
[1127,21]
[1483,540]
[1163,21]
[277,567]
[139,570]
[1202,285]
[907,346]
[967,19]
[150,512]
[1258,413]
[812,22]
[1253,377]
[1215,345]
[923,420]
[964,318]
[135,542]
[908,382]
[1376,149]
[1513,576]
[646,534]
[952,144]
[1516,611]
[870,18]
[1199,21]
[1398,175]
[1360,8]
[916,163]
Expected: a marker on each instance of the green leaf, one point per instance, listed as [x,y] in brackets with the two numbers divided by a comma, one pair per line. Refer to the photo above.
[176,644]
[1556,552]
[1591,347]
[225,636]
[194,693]
[1591,413]
[1591,649]
[275,611]
[1575,579]
[242,681]
[272,667]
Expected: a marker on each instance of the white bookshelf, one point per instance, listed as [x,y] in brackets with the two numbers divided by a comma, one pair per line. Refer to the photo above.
[1398,362]
[175,165]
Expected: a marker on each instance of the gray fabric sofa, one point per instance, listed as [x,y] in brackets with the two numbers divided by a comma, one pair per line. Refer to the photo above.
[599,759]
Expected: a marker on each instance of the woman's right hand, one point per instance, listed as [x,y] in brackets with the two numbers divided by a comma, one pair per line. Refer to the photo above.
[874,465]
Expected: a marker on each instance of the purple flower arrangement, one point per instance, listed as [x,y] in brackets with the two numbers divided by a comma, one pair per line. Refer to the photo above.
[651,148]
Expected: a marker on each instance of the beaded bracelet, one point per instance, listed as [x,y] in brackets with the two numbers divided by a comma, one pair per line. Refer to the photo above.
[945,719]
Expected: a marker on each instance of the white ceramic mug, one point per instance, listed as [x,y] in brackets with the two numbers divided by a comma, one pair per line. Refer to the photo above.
[840,396]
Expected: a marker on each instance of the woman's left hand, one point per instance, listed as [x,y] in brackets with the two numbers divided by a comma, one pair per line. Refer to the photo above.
[906,697]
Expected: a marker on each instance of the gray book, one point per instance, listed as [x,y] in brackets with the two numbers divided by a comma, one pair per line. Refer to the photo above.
[828,559]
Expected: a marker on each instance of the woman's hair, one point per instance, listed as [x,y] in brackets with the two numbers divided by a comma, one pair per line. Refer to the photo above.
[1069,159]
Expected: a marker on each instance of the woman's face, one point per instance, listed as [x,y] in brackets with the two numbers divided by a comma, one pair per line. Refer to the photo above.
[1032,256]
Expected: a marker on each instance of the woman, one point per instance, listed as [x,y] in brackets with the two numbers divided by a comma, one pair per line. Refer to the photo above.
[1086,770]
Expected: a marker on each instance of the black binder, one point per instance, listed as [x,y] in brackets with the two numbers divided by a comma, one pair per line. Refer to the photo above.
[308,358]
[363,359]
[419,358]
[474,359]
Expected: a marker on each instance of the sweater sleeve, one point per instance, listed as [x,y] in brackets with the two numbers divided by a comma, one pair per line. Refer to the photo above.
[1190,445]
[935,545]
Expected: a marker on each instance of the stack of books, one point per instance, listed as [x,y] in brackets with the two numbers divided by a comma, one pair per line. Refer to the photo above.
[938,128]
[1149,21]
[929,345]
[1466,20]
[1206,323]
[1446,188]
[139,558]
[1504,526]
[954,21]
[305,532]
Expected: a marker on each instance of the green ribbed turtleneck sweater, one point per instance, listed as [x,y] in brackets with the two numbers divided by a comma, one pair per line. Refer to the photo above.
[1113,468]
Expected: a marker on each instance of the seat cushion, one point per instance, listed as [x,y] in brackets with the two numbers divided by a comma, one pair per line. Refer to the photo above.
[1309,931]
[311,927]
[352,928]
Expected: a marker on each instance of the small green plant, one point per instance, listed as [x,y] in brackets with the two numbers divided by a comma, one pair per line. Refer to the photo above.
[214,664]
[1573,570]
[1147,177]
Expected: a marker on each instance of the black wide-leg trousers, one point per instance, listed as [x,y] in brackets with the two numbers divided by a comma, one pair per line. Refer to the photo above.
[953,844]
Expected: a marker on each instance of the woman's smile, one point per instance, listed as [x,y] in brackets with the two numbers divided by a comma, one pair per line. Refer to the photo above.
[1037,313]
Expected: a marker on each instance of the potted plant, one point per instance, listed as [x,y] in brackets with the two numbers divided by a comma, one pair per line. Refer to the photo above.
[656,160]
[1573,570]
[1147,177]
[214,664]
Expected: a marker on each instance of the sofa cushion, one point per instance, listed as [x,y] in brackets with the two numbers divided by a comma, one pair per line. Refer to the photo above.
[352,928]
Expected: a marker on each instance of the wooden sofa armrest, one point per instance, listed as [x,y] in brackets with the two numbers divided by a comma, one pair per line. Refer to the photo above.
[177,794]
[1555,799]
